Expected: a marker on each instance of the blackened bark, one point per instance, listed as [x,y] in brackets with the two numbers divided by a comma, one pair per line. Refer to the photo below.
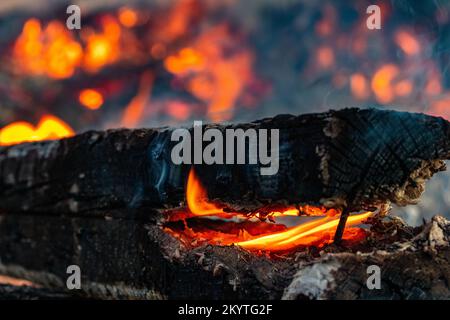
[131,259]
[355,158]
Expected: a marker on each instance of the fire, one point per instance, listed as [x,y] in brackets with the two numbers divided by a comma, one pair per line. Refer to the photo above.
[91,99]
[321,230]
[254,233]
[11,281]
[325,57]
[53,51]
[440,107]
[382,83]
[197,199]
[407,42]
[128,17]
[49,51]
[214,64]
[135,109]
[212,72]
[185,61]
[177,20]
[103,47]
[359,86]
[178,110]
[49,127]
[403,88]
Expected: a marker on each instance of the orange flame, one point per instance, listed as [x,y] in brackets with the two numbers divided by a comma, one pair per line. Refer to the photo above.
[128,17]
[103,47]
[359,86]
[178,19]
[403,88]
[271,237]
[302,235]
[17,282]
[91,99]
[441,107]
[49,127]
[382,83]
[211,73]
[325,57]
[135,109]
[197,198]
[51,51]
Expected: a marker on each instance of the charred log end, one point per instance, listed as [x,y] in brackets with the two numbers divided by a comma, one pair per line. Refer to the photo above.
[413,188]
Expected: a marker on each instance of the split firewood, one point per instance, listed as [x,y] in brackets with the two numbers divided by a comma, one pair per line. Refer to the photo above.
[112,203]
[358,159]
[128,259]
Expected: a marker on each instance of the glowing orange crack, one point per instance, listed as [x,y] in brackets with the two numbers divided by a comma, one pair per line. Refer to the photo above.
[318,231]
[299,235]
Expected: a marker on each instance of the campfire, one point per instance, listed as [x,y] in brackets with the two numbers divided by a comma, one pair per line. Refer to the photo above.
[354,122]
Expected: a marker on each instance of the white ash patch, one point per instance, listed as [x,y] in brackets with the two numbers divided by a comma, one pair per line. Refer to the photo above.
[333,128]
[434,234]
[74,189]
[73,206]
[312,281]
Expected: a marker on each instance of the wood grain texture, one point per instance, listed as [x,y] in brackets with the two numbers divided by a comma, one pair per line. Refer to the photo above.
[355,158]
[128,259]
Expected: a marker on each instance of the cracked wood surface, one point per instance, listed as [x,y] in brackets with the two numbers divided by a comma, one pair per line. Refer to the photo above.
[351,157]
[129,259]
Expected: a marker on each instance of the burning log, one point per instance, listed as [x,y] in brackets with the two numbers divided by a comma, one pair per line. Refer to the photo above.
[115,199]
[358,159]
[121,258]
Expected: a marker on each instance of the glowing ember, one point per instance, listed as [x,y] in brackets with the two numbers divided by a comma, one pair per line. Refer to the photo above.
[103,47]
[178,110]
[321,230]
[128,17]
[440,107]
[325,57]
[211,73]
[407,42]
[403,88]
[253,233]
[382,83]
[49,127]
[185,61]
[11,281]
[359,86]
[91,99]
[135,109]
[51,51]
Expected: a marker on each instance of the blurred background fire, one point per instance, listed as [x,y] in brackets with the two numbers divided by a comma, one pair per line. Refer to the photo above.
[146,63]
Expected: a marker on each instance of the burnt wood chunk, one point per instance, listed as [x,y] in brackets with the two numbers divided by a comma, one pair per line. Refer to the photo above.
[130,259]
[348,158]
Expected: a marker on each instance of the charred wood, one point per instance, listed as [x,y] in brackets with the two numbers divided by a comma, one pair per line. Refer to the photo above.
[351,158]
